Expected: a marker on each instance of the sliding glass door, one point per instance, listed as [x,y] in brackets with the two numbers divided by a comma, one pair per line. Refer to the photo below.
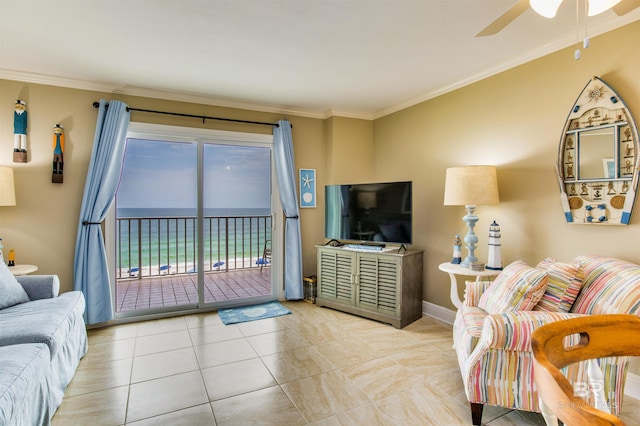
[237,221]
[193,221]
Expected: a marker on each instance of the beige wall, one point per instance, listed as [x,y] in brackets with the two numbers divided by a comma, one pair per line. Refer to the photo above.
[512,120]
[349,146]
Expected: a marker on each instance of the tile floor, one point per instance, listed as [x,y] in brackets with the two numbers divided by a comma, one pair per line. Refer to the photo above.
[316,366]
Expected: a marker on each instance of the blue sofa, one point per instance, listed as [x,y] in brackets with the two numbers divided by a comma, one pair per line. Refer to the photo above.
[42,340]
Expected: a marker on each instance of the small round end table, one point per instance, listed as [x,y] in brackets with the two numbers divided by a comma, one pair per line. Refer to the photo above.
[452,269]
[22,269]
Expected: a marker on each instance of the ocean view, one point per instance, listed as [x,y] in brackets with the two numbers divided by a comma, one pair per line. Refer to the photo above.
[152,241]
[188,212]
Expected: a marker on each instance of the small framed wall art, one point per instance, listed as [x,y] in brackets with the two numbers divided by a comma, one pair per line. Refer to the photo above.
[307,188]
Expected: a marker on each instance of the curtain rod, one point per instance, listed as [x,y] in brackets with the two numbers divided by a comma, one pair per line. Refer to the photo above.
[203,117]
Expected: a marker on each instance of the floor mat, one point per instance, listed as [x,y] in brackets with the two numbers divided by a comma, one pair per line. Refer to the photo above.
[252,313]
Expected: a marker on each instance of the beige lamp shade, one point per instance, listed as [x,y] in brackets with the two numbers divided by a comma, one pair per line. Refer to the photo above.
[7,188]
[471,185]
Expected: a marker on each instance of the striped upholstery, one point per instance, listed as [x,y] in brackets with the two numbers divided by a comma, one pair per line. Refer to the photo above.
[563,284]
[469,329]
[497,365]
[518,287]
[611,286]
[500,369]
[473,291]
[511,331]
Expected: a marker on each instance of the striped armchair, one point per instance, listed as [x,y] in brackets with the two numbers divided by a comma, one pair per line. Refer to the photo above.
[494,349]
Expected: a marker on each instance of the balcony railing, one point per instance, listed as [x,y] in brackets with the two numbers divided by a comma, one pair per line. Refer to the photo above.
[148,246]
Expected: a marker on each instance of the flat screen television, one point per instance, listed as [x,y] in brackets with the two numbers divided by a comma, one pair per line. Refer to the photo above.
[378,212]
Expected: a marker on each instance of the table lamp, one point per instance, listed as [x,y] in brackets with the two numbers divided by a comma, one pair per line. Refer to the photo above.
[471,186]
[7,187]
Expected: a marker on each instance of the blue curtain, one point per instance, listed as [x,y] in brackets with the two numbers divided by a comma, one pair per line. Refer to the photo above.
[91,273]
[286,174]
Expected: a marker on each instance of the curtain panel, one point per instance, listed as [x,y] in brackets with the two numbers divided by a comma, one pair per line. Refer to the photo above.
[91,272]
[286,175]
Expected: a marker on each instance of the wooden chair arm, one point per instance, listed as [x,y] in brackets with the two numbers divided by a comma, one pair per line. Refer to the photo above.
[600,336]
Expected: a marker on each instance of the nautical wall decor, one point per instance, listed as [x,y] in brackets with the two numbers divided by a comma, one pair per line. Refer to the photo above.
[58,154]
[20,123]
[598,158]
[307,188]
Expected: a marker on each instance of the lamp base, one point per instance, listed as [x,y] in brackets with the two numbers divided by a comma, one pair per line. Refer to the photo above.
[468,261]
[471,239]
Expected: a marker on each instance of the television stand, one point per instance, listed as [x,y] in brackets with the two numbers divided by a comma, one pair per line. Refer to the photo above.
[383,286]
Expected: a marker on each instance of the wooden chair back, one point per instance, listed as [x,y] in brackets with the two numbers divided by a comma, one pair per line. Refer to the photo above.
[600,336]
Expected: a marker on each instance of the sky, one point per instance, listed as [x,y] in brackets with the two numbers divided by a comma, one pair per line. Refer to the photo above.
[163,174]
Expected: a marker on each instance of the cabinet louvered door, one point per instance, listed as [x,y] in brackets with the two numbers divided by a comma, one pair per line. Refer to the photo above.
[383,286]
[378,283]
[336,275]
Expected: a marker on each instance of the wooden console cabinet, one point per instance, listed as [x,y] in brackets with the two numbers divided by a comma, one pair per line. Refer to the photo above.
[383,286]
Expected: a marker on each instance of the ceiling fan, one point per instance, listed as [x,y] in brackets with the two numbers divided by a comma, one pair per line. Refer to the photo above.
[548,9]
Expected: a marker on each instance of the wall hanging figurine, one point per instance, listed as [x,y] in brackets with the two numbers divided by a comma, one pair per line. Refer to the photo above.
[20,132]
[58,150]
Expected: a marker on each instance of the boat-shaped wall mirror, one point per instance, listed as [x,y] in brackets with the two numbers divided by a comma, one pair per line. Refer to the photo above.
[598,158]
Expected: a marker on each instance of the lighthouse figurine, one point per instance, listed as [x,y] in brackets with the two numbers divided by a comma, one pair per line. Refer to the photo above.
[494,262]
[457,245]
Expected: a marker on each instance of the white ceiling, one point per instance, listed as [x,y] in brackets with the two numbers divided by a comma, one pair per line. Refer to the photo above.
[355,58]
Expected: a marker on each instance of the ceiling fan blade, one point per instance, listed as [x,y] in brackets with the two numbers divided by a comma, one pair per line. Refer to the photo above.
[506,18]
[626,6]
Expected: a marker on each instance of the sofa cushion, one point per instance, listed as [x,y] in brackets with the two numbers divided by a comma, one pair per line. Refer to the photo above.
[11,292]
[611,286]
[23,384]
[41,321]
[518,287]
[563,285]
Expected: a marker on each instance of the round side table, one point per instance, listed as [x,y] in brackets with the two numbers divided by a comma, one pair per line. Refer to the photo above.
[22,269]
[453,270]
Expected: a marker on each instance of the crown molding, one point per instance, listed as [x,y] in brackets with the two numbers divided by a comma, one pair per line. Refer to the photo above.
[49,80]
[349,114]
[594,31]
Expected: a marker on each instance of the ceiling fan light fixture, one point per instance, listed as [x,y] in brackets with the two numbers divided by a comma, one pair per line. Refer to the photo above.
[596,7]
[547,8]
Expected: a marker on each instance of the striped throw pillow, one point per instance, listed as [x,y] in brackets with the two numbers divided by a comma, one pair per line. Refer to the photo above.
[563,286]
[518,287]
[611,286]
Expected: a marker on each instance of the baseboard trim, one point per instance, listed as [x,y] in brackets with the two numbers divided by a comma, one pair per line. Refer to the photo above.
[438,312]
[632,386]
